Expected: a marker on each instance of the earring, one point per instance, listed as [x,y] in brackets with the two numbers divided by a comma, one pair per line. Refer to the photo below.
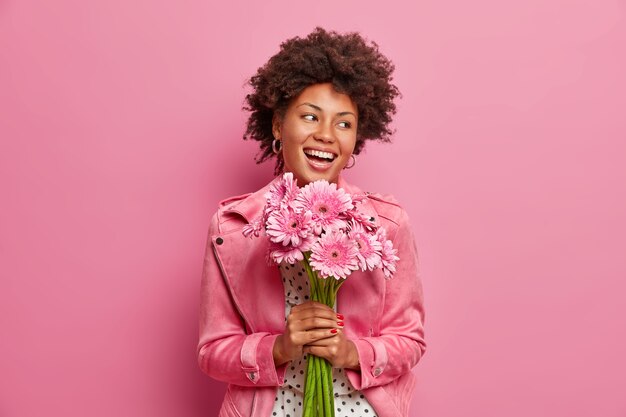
[352,164]
[276,146]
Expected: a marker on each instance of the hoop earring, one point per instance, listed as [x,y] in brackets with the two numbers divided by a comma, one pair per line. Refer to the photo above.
[276,146]
[353,162]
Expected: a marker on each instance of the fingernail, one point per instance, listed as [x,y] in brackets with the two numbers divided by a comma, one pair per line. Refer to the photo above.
[340,323]
[333,330]
[340,316]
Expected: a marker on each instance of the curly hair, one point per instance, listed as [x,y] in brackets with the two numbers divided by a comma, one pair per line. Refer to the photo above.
[353,66]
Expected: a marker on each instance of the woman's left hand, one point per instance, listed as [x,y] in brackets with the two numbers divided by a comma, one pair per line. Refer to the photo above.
[338,350]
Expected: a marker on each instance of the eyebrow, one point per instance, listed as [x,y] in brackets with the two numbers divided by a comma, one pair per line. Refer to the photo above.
[318,108]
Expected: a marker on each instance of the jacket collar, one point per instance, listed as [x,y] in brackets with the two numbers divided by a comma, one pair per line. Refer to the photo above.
[251,207]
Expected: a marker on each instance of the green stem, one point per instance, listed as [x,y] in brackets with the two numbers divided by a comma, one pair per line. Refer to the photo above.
[319,386]
[327,386]
[310,386]
[319,399]
[309,389]
[329,381]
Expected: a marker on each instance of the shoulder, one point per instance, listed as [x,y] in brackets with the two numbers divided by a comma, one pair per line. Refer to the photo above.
[236,211]
[232,201]
[395,224]
[391,215]
[226,216]
[387,207]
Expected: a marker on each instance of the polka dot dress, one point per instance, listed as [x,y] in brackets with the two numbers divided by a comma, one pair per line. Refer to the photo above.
[289,398]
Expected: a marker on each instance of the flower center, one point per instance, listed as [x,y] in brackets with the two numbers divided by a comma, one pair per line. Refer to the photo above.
[335,254]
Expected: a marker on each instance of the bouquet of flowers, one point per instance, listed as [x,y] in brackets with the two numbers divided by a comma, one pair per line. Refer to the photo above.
[320,226]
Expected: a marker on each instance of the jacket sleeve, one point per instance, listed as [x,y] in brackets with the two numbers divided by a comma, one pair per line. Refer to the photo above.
[225,351]
[400,344]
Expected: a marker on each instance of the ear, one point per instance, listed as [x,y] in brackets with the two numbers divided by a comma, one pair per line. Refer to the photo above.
[276,125]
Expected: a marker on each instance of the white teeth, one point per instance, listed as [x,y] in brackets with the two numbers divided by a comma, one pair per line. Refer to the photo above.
[320,154]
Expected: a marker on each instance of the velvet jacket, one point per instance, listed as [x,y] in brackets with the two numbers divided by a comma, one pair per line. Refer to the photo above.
[242,311]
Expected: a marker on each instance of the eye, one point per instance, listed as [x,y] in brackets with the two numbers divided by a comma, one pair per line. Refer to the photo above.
[310,117]
[345,125]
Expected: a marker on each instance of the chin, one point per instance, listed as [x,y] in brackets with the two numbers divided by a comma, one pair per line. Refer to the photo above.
[316,177]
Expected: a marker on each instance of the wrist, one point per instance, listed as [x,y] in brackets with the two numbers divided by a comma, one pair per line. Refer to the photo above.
[353,357]
[278,353]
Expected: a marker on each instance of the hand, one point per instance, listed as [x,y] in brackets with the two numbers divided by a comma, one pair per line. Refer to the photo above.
[340,351]
[308,323]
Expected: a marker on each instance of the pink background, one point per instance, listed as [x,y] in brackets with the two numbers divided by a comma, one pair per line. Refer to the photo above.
[120,129]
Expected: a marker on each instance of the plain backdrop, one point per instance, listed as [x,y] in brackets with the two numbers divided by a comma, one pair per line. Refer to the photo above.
[120,130]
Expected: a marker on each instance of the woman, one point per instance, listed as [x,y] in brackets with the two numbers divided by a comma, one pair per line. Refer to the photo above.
[313,106]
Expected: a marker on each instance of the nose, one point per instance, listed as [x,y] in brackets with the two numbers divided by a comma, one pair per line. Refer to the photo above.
[325,132]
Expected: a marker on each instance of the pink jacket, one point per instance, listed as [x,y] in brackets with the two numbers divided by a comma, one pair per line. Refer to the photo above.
[243,311]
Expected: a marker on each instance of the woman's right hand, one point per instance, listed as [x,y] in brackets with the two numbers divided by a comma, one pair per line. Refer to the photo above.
[307,322]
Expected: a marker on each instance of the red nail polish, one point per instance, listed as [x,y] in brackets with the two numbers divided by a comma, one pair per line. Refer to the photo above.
[333,330]
[340,316]
[340,323]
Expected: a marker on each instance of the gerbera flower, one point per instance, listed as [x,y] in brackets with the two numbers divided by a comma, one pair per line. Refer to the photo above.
[282,193]
[288,226]
[253,228]
[333,254]
[326,202]
[279,253]
[388,254]
[369,248]
[355,216]
[358,198]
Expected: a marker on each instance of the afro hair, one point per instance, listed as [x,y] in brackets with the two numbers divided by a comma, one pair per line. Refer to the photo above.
[353,66]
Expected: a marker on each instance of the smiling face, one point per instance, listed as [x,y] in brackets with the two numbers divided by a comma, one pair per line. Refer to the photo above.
[318,133]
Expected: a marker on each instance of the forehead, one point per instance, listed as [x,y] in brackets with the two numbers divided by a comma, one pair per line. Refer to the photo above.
[326,98]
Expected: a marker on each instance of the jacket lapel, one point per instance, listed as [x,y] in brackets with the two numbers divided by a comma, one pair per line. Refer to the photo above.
[255,286]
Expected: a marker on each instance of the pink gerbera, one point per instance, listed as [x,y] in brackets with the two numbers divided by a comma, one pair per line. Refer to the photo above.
[334,255]
[388,254]
[369,248]
[358,198]
[253,229]
[356,216]
[288,226]
[282,193]
[326,202]
[289,254]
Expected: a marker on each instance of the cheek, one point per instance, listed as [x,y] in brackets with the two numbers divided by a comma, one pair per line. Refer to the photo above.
[348,146]
[290,154]
[292,129]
